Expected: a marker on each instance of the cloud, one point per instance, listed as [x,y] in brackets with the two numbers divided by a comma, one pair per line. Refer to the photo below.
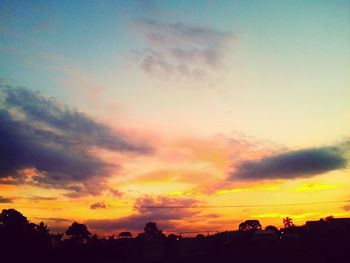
[5,200]
[54,219]
[115,192]
[98,205]
[346,207]
[45,143]
[41,198]
[292,164]
[150,209]
[177,49]
[182,161]
[56,224]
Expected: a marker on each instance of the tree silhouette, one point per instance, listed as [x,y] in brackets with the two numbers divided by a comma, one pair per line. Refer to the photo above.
[18,234]
[152,230]
[125,235]
[325,240]
[78,233]
[56,238]
[174,237]
[15,228]
[12,220]
[42,228]
[43,234]
[329,218]
[273,229]
[288,222]
[250,225]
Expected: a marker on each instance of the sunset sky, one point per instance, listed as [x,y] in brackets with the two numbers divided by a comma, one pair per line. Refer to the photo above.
[194,114]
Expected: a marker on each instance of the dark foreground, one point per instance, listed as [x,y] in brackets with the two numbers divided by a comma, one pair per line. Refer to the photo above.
[317,241]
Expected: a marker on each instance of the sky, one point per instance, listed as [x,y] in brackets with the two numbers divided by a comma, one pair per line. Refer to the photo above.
[197,115]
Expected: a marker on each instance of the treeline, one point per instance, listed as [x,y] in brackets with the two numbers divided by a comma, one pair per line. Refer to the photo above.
[326,240]
[23,241]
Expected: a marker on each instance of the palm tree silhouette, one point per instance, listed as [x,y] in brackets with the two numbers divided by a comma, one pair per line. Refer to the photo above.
[288,222]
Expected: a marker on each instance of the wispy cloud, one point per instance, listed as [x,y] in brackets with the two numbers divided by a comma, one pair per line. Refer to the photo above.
[98,205]
[145,212]
[180,50]
[46,143]
[54,219]
[200,165]
[5,199]
[316,187]
[346,207]
[292,164]
[40,198]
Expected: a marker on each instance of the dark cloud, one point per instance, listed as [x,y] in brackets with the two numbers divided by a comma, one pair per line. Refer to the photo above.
[5,200]
[287,165]
[180,49]
[55,142]
[146,211]
[98,205]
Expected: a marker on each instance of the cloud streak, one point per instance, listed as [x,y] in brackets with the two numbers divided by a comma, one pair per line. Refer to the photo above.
[45,143]
[178,49]
[346,207]
[165,216]
[292,164]
[4,200]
